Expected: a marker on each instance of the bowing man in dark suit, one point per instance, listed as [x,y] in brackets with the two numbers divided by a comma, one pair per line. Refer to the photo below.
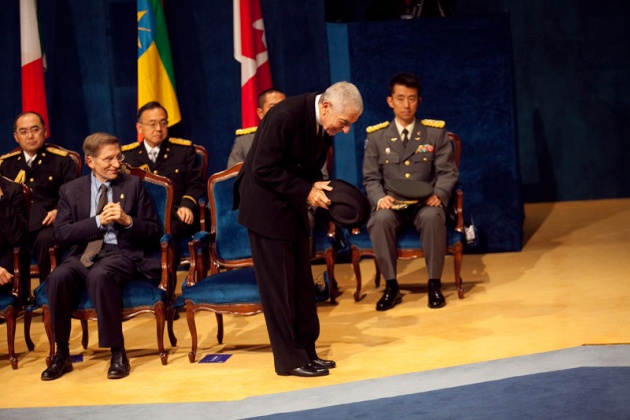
[280,178]
[129,228]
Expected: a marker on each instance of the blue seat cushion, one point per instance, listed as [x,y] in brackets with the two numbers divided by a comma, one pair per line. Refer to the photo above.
[6,300]
[408,237]
[321,240]
[137,292]
[227,287]
[361,240]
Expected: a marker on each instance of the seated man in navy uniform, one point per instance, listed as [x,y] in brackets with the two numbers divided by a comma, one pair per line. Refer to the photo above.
[13,229]
[44,170]
[173,158]
[414,150]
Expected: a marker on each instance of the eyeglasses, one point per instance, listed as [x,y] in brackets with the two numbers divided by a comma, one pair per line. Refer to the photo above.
[111,159]
[154,124]
[35,130]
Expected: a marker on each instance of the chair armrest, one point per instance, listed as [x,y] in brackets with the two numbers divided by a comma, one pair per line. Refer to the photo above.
[198,248]
[332,229]
[17,273]
[459,210]
[168,264]
[203,212]
[53,251]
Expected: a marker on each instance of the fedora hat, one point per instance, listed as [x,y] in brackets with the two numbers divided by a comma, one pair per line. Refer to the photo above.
[349,206]
[410,189]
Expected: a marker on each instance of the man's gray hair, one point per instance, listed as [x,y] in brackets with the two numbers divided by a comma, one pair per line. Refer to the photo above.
[343,95]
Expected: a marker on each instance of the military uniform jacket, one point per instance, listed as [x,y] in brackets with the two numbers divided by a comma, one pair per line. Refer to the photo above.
[13,225]
[241,147]
[280,169]
[51,169]
[177,161]
[427,157]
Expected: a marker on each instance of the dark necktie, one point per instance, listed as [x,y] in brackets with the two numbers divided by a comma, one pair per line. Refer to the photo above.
[405,138]
[93,247]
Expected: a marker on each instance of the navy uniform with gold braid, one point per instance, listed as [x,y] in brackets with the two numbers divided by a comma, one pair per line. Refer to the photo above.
[52,168]
[428,157]
[177,161]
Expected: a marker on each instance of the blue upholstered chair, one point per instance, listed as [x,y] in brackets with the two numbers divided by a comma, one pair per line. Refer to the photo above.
[221,278]
[409,243]
[139,295]
[11,296]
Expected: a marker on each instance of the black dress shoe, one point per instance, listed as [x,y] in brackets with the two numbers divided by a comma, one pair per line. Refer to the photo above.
[436,298]
[391,298]
[308,371]
[326,364]
[61,363]
[119,366]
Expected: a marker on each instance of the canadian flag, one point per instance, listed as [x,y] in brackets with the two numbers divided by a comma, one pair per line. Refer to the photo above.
[33,90]
[250,49]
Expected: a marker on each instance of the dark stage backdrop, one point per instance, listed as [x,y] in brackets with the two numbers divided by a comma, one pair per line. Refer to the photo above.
[571,78]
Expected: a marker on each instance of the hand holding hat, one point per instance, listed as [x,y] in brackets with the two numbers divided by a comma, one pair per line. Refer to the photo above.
[349,206]
[317,197]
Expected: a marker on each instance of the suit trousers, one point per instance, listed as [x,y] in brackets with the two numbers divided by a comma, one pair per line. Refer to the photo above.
[384,225]
[104,281]
[287,292]
[41,241]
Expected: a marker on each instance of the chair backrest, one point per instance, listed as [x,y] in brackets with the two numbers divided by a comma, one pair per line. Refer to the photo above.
[230,245]
[202,154]
[457,146]
[160,189]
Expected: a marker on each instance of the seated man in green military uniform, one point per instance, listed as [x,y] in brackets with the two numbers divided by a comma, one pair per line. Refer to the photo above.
[408,149]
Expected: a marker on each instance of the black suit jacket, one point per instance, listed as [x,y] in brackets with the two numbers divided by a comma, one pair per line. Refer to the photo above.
[285,160]
[74,227]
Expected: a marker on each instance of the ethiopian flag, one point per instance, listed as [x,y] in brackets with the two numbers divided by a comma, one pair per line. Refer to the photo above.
[156,80]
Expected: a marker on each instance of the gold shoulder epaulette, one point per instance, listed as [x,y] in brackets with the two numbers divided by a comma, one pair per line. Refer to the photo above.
[130,146]
[243,131]
[377,127]
[11,154]
[434,123]
[181,142]
[57,151]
